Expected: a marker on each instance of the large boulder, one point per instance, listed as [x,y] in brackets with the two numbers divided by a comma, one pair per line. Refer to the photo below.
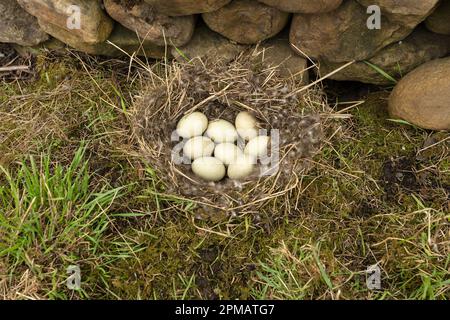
[405,12]
[277,53]
[207,44]
[439,21]
[247,21]
[95,25]
[18,26]
[151,25]
[396,60]
[423,96]
[122,41]
[186,7]
[304,6]
[342,35]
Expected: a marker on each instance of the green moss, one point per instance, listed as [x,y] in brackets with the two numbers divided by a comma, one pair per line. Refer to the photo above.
[51,73]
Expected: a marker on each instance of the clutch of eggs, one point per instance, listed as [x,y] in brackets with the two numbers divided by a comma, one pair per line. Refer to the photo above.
[211,145]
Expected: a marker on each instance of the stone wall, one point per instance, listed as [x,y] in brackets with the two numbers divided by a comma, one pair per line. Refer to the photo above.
[329,32]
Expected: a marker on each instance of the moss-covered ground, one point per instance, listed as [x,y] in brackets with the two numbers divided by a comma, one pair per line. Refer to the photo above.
[73,191]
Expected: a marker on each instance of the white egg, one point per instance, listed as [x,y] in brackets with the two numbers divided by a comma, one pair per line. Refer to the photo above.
[192,125]
[209,168]
[246,125]
[257,147]
[221,131]
[242,167]
[198,147]
[227,152]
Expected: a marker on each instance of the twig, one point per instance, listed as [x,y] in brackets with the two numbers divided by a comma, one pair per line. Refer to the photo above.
[312,84]
[13,68]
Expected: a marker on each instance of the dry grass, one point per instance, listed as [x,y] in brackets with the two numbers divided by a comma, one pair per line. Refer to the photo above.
[303,121]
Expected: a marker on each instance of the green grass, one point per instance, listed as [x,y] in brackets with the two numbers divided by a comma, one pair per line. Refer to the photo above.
[53,208]
[73,191]
[280,277]
[381,72]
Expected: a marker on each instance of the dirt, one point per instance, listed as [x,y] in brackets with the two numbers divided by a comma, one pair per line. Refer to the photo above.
[402,176]
[365,209]
[6,53]
[211,273]
[343,91]
[398,176]
[10,58]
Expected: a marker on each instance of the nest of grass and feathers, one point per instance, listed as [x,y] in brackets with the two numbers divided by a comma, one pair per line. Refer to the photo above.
[222,90]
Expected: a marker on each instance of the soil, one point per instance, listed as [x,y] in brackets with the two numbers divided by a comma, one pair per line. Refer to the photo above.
[6,53]
[365,209]
[9,57]
[398,176]
[344,91]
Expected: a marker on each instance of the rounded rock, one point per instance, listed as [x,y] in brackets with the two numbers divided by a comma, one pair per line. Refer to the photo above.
[186,7]
[247,21]
[423,96]
[304,6]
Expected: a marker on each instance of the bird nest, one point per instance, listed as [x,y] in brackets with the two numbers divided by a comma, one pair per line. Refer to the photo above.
[281,105]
